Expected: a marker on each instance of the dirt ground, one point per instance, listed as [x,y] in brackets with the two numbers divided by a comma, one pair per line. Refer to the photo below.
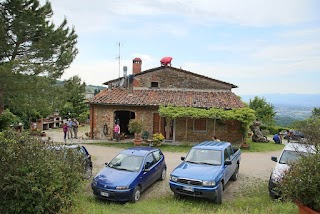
[253,166]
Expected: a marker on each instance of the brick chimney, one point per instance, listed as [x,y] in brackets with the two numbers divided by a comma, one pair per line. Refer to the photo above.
[136,65]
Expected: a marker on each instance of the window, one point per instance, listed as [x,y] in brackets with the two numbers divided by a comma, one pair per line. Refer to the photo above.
[149,161]
[230,150]
[226,155]
[157,155]
[154,84]
[200,124]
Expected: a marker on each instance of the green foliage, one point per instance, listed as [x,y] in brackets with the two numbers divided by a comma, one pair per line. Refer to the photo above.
[301,183]
[135,126]
[250,198]
[311,129]
[7,119]
[34,178]
[316,112]
[274,129]
[84,116]
[264,111]
[31,42]
[73,97]
[33,53]
[284,120]
[262,147]
[245,115]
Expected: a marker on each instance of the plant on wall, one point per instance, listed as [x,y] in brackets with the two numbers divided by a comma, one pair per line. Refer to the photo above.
[245,115]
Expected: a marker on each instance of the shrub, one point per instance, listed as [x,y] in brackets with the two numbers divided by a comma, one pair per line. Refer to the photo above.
[34,178]
[7,118]
[135,126]
[274,129]
[301,182]
[157,137]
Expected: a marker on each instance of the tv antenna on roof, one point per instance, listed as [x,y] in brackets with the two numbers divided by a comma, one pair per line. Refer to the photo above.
[119,56]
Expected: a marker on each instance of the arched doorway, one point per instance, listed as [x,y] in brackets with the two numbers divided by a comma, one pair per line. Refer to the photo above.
[122,118]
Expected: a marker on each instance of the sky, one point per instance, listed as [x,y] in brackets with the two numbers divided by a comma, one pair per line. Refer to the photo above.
[265,46]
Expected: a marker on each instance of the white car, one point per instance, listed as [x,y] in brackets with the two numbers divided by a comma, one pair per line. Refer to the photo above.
[291,152]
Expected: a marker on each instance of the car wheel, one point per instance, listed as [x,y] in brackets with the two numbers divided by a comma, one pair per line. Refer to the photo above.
[163,174]
[136,194]
[234,177]
[218,198]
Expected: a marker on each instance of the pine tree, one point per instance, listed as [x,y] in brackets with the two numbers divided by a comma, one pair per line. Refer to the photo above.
[31,45]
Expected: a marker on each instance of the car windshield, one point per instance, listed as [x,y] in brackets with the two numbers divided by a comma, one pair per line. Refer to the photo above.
[204,156]
[289,156]
[126,162]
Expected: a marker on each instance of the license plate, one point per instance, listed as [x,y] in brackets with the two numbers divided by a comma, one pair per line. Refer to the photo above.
[190,189]
[105,194]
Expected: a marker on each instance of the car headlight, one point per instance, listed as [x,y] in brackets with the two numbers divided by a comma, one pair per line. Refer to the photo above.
[276,177]
[122,187]
[173,178]
[208,183]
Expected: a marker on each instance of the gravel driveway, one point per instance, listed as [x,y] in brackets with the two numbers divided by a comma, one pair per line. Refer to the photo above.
[253,166]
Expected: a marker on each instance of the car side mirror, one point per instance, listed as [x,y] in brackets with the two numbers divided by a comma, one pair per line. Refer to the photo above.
[227,162]
[275,159]
[106,163]
[183,158]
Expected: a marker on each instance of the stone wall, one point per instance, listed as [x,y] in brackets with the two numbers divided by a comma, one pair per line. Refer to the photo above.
[173,78]
[224,130]
[102,115]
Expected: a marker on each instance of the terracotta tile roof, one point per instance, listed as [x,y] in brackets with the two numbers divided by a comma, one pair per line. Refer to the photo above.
[157,97]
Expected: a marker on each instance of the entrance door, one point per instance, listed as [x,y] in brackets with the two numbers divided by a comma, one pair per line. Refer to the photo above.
[163,125]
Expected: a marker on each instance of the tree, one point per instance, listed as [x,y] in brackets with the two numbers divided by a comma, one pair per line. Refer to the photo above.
[31,46]
[74,96]
[316,112]
[29,42]
[264,111]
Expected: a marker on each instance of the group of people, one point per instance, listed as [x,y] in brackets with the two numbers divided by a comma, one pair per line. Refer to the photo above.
[277,138]
[70,129]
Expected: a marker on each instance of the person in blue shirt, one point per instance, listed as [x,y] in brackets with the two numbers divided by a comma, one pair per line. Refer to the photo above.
[277,139]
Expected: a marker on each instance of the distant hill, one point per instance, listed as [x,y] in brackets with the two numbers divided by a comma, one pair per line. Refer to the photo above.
[289,107]
[306,100]
[91,88]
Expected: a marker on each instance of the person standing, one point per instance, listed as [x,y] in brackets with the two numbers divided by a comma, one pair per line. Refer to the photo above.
[70,132]
[116,132]
[75,125]
[65,131]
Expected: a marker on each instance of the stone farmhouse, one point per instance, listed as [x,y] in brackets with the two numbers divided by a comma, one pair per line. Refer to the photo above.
[139,96]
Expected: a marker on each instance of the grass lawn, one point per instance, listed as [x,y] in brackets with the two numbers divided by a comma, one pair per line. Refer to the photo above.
[249,199]
[184,147]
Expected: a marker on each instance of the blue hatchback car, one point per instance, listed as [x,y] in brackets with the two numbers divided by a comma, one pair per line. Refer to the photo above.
[129,174]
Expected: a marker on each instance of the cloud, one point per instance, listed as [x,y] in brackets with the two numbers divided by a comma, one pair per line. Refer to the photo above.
[101,15]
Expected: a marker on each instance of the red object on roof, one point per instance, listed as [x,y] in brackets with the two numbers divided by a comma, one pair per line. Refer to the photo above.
[166,60]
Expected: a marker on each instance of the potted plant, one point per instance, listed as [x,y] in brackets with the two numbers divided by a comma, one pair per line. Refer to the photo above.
[157,138]
[301,182]
[135,126]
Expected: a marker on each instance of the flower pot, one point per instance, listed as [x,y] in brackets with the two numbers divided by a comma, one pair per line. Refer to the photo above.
[137,142]
[306,210]
[245,146]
